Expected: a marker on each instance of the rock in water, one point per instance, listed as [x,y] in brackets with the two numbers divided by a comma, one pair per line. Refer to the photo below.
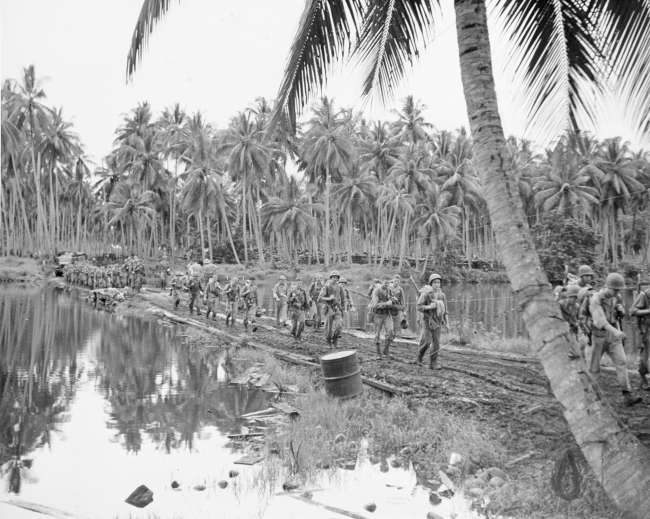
[233,474]
[222,484]
[175,484]
[371,507]
[140,497]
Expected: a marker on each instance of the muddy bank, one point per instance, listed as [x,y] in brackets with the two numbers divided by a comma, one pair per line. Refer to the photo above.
[503,397]
[21,270]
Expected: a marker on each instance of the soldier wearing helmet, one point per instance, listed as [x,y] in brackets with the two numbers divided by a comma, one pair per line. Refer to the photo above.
[606,334]
[348,305]
[298,303]
[382,307]
[232,292]
[398,297]
[194,287]
[331,296]
[313,292]
[280,293]
[250,300]
[432,305]
[641,310]
[569,307]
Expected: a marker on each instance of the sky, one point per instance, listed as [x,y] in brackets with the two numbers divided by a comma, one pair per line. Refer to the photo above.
[217,57]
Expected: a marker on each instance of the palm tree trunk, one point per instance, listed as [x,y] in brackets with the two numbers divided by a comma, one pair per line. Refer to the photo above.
[391,228]
[350,229]
[327,215]
[243,218]
[260,239]
[227,225]
[207,228]
[616,456]
[402,248]
[77,241]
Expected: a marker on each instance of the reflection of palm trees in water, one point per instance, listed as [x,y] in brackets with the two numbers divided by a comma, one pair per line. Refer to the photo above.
[39,342]
[163,389]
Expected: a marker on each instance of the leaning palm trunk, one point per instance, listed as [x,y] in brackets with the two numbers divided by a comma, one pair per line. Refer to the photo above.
[616,456]
[327,215]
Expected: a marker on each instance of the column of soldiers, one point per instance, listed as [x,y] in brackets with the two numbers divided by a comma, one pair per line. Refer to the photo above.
[595,318]
[130,273]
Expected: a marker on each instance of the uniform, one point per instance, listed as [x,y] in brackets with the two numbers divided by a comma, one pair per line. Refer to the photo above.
[397,295]
[174,292]
[432,305]
[298,304]
[348,305]
[570,310]
[382,308]
[212,290]
[639,308]
[331,296]
[194,287]
[314,291]
[280,297]
[232,300]
[249,298]
[606,309]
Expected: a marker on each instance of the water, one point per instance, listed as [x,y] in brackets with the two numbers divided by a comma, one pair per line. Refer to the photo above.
[94,405]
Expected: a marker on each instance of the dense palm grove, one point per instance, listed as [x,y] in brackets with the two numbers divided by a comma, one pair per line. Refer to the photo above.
[396,189]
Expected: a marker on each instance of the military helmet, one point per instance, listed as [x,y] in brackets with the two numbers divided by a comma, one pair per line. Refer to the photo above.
[435,276]
[585,270]
[572,291]
[615,281]
[283,277]
[343,280]
[335,274]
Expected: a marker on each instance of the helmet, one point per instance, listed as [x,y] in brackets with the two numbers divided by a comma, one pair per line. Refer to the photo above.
[343,280]
[283,278]
[585,270]
[434,276]
[397,277]
[572,291]
[335,274]
[615,281]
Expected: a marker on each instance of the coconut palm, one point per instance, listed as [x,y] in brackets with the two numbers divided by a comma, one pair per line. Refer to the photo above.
[410,127]
[79,192]
[564,47]
[436,220]
[131,207]
[411,170]
[378,149]
[327,149]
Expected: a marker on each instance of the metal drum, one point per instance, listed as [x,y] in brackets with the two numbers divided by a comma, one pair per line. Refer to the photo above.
[342,373]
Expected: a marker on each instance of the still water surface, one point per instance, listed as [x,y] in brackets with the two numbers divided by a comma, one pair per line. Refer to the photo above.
[93,405]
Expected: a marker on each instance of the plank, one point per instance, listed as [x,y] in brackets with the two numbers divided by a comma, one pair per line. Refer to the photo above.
[249,459]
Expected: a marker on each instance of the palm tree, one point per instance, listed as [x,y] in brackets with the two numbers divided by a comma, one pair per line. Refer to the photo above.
[411,170]
[378,150]
[436,220]
[248,159]
[564,187]
[410,127]
[327,148]
[131,207]
[79,191]
[564,48]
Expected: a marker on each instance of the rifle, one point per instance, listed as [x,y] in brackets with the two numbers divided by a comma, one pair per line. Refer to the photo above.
[417,288]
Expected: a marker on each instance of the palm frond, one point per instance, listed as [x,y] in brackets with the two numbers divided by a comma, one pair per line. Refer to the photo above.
[151,13]
[325,32]
[390,37]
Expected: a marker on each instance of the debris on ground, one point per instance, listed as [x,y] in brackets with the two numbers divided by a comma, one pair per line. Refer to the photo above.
[222,484]
[140,497]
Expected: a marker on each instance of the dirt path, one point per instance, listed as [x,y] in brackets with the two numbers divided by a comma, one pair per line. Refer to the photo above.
[508,391]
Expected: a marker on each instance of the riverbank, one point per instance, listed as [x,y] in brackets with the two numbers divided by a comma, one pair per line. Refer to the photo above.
[493,410]
[14,269]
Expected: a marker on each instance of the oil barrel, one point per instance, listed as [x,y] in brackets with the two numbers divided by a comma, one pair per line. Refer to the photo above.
[341,373]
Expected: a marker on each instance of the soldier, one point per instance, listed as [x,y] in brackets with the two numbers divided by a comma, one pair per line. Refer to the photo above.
[314,291]
[232,300]
[174,291]
[212,290]
[162,277]
[194,288]
[249,298]
[432,304]
[298,304]
[331,296]
[606,336]
[569,307]
[348,305]
[397,294]
[280,297]
[641,310]
[382,307]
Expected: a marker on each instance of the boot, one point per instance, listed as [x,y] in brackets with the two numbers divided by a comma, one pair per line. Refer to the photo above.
[386,348]
[378,348]
[644,383]
[433,362]
[630,400]
[421,354]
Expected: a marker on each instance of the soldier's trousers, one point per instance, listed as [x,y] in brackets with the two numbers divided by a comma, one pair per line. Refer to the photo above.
[384,322]
[603,342]
[210,308]
[193,301]
[333,325]
[231,311]
[297,322]
[318,313]
[644,352]
[249,315]
[429,339]
[281,310]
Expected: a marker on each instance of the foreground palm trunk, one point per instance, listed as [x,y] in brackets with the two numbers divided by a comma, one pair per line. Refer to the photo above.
[617,458]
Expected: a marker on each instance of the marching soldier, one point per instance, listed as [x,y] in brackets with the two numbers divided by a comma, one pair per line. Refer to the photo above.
[174,291]
[382,306]
[314,291]
[348,305]
[194,288]
[606,336]
[569,307]
[212,290]
[280,297]
[641,310]
[399,299]
[232,301]
[298,304]
[331,296]
[249,298]
[432,304]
